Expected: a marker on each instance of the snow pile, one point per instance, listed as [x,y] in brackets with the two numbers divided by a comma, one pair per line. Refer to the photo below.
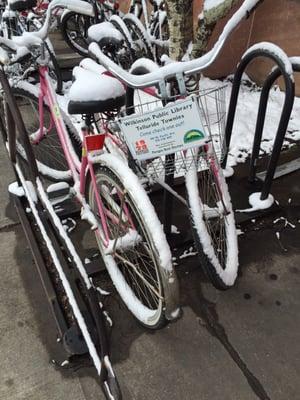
[104,30]
[209,4]
[90,86]
[258,204]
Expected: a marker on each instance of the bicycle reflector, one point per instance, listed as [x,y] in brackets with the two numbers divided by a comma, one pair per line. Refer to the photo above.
[94,142]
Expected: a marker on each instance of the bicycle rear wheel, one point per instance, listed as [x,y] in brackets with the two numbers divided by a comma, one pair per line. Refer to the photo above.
[141,40]
[48,152]
[137,257]
[74,28]
[213,222]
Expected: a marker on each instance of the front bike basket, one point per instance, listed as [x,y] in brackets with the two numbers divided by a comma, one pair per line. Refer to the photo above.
[171,139]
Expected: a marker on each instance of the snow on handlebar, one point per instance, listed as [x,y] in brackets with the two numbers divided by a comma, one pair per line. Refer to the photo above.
[179,67]
[18,52]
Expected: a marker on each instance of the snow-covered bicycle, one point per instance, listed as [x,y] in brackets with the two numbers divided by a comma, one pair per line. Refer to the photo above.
[148,25]
[130,237]
[180,134]
[27,16]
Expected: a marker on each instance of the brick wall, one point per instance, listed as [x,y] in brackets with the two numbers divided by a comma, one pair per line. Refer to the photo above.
[276,21]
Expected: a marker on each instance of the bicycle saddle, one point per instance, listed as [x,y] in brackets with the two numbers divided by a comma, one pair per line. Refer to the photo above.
[92,93]
[21,5]
[105,34]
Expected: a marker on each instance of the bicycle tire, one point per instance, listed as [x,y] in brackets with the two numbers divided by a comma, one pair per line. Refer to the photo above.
[66,21]
[10,119]
[137,29]
[119,24]
[220,268]
[56,70]
[53,168]
[156,29]
[118,179]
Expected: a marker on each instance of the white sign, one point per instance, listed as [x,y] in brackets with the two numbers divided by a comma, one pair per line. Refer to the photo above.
[175,127]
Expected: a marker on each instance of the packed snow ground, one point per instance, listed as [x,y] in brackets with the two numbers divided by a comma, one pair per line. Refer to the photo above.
[245,120]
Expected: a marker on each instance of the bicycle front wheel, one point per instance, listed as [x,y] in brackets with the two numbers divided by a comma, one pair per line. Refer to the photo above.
[213,223]
[137,255]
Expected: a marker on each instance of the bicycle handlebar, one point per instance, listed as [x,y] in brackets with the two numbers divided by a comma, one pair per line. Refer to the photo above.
[179,67]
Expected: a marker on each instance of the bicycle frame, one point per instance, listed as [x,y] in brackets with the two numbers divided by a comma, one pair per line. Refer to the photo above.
[79,169]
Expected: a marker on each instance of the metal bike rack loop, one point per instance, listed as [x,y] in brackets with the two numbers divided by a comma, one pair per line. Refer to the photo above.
[271,78]
[284,119]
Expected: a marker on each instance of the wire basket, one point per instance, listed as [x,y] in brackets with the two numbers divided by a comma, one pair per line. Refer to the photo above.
[212,107]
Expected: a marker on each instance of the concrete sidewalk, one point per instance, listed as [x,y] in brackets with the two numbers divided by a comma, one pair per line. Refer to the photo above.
[242,344]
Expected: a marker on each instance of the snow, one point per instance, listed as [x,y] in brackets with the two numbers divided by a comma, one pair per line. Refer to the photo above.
[119,21]
[285,221]
[258,204]
[27,39]
[175,314]
[54,187]
[69,224]
[15,189]
[91,65]
[188,253]
[228,171]
[104,30]
[229,273]
[273,49]
[8,13]
[295,60]
[146,63]
[130,239]
[209,4]
[175,230]
[90,86]
[245,120]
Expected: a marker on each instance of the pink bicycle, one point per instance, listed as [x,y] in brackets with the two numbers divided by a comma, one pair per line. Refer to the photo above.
[129,234]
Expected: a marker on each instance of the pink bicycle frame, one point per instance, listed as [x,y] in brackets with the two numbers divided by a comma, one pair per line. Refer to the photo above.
[78,169]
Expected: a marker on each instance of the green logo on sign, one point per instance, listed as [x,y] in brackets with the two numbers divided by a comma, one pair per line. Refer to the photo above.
[193,135]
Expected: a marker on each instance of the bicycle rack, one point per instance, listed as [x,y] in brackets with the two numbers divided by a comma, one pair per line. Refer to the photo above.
[290,166]
[88,300]
[285,115]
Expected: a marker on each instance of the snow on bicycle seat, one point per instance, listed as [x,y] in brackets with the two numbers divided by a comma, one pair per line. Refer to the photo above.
[105,34]
[94,93]
[91,65]
[21,5]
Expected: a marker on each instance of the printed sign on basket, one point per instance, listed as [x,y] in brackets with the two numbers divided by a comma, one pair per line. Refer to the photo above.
[166,130]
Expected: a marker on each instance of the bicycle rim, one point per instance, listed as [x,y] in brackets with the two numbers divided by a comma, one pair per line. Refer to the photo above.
[133,267]
[74,28]
[48,152]
[140,37]
[213,223]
